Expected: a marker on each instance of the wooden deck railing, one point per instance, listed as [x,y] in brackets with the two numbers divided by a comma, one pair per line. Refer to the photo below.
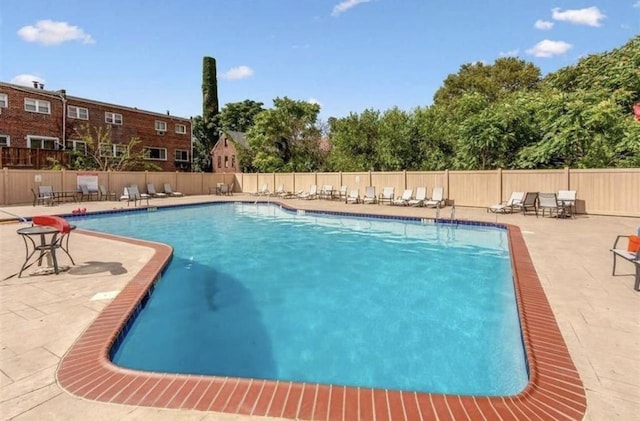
[27,158]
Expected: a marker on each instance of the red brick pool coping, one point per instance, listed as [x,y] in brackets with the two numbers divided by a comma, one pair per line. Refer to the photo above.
[554,391]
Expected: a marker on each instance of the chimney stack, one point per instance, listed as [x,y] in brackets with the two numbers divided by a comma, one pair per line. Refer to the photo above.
[41,85]
[35,84]
[167,112]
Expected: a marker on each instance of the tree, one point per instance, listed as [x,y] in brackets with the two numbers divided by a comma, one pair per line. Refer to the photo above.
[239,116]
[104,155]
[286,137]
[396,145]
[354,141]
[506,75]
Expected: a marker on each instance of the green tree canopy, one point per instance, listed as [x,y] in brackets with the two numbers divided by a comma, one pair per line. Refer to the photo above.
[239,116]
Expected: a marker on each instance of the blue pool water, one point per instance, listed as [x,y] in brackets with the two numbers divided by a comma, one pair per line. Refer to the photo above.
[257,291]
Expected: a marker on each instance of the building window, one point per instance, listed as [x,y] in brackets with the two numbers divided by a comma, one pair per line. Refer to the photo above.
[4,140]
[219,162]
[226,142]
[37,106]
[233,161]
[43,142]
[78,112]
[157,154]
[182,155]
[77,145]
[113,118]
[161,126]
[112,150]
[4,101]
[226,161]
[181,129]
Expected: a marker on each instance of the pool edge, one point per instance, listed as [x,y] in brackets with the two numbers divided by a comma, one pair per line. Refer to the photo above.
[554,391]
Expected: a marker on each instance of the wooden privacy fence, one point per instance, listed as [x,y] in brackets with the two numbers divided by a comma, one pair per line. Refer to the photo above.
[610,191]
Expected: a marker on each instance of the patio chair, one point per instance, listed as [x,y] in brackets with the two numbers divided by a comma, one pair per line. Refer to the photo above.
[280,191]
[568,200]
[105,194]
[169,191]
[311,194]
[549,201]
[403,200]
[530,202]
[85,193]
[508,206]
[369,195]
[151,191]
[386,195]
[43,197]
[353,196]
[437,198]
[132,194]
[421,196]
[630,254]
[326,192]
[263,190]
[342,193]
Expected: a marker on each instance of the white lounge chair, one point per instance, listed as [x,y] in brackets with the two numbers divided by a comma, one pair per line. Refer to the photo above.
[421,196]
[263,191]
[369,195]
[508,206]
[549,201]
[437,198]
[386,195]
[342,194]
[169,191]
[403,200]
[151,190]
[353,196]
[629,255]
[311,194]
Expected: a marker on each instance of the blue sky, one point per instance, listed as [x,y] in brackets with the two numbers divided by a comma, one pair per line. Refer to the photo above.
[346,55]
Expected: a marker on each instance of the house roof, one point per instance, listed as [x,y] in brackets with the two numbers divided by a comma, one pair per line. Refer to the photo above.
[237,137]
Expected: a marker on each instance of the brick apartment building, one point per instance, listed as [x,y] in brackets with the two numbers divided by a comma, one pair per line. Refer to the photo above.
[223,154]
[35,118]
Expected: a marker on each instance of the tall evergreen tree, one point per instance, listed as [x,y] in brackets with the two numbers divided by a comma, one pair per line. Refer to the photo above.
[208,131]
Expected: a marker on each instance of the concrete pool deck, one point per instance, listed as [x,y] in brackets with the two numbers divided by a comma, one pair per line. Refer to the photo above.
[42,316]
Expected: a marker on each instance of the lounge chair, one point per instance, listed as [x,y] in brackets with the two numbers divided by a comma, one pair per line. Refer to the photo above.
[353,196]
[369,195]
[342,193]
[508,206]
[263,191]
[280,191]
[169,191]
[530,202]
[85,193]
[437,198]
[311,194]
[132,194]
[403,200]
[151,191]
[326,192]
[105,194]
[630,254]
[421,196]
[386,195]
[45,197]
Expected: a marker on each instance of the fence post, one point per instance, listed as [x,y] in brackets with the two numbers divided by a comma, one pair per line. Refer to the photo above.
[5,182]
[404,177]
[567,178]
[369,183]
[500,192]
[446,182]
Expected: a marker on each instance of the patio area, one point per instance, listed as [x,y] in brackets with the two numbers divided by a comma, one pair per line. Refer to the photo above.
[42,316]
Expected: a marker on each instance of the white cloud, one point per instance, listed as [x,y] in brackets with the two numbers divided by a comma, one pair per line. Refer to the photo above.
[548,48]
[345,5]
[314,101]
[637,4]
[543,25]
[48,32]
[240,72]
[591,16]
[26,80]
[510,53]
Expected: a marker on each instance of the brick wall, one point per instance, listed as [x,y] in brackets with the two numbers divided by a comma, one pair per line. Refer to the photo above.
[18,123]
[225,158]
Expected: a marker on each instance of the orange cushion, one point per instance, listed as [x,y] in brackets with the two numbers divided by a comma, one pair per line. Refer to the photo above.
[634,243]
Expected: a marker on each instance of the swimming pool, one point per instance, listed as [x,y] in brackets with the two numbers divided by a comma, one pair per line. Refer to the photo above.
[457,333]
